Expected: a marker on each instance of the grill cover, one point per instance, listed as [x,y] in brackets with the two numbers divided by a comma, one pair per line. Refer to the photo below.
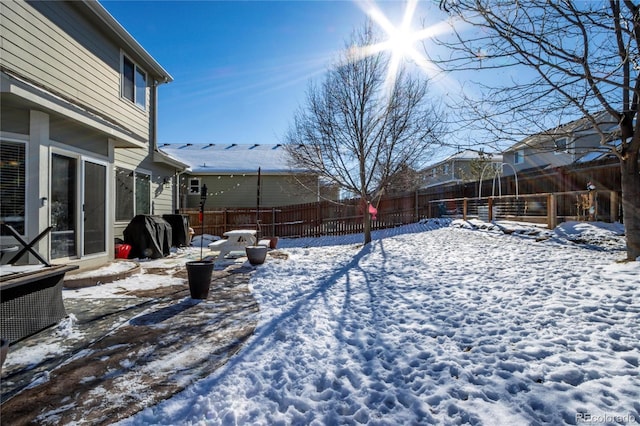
[149,237]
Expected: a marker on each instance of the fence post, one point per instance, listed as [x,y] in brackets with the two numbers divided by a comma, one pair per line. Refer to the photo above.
[273,222]
[415,207]
[614,206]
[224,220]
[464,209]
[552,214]
[490,205]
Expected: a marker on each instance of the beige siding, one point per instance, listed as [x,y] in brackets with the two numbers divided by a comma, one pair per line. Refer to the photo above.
[241,191]
[162,201]
[52,44]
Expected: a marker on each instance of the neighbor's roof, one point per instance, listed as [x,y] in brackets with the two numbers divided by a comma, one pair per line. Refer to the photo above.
[468,154]
[230,158]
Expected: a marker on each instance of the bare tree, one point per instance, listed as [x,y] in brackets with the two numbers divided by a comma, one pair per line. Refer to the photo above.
[406,179]
[356,130]
[580,59]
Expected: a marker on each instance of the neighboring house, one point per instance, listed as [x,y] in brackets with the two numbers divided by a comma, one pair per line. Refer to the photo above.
[560,146]
[462,167]
[77,130]
[230,172]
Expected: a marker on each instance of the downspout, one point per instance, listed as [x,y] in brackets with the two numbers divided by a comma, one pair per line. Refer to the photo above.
[154,125]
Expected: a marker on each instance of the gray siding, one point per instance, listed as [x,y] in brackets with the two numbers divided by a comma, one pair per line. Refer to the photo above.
[51,43]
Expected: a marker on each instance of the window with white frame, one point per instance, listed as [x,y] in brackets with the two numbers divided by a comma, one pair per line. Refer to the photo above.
[561,145]
[13,184]
[134,83]
[194,186]
[518,156]
[133,194]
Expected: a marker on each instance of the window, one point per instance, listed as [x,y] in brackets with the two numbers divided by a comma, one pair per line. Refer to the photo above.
[133,194]
[134,83]
[13,184]
[518,156]
[561,145]
[143,193]
[194,186]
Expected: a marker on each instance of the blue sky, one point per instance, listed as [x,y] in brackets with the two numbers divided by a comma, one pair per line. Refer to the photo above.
[240,68]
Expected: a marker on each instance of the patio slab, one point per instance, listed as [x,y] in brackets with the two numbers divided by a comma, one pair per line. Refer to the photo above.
[126,354]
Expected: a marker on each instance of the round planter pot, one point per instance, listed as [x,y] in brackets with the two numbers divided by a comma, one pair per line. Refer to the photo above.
[274,242]
[199,274]
[256,254]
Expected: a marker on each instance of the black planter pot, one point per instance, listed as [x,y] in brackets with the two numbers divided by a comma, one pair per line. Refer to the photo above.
[256,254]
[199,273]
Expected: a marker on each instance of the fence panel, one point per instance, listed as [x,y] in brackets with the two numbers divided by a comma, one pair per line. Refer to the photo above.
[347,217]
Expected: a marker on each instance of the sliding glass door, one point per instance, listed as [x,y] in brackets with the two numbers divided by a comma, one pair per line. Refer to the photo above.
[95,212]
[78,206]
[64,206]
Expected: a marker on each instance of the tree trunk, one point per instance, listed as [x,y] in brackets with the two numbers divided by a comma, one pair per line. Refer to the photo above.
[367,225]
[630,182]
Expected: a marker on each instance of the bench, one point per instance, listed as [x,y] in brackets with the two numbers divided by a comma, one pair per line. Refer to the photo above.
[217,245]
[266,243]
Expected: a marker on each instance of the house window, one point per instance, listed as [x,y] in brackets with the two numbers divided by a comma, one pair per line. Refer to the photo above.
[194,186]
[13,184]
[133,194]
[143,193]
[446,169]
[518,156]
[561,145]
[134,83]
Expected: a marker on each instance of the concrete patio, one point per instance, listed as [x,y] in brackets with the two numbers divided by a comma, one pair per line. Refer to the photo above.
[129,353]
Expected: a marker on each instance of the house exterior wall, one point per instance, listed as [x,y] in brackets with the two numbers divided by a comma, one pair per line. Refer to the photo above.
[162,182]
[53,44]
[541,151]
[228,191]
[61,97]
[452,171]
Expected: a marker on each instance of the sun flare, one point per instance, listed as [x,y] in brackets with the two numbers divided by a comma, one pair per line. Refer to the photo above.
[402,40]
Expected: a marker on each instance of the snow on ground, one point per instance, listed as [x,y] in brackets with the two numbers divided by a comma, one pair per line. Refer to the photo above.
[433,324]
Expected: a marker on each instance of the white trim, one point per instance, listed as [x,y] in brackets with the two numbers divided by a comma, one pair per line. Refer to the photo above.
[46,100]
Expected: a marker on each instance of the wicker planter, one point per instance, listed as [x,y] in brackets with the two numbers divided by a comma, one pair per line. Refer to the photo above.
[199,277]
[256,254]
[4,349]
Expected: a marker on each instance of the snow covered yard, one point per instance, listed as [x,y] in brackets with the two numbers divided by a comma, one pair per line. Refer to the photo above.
[433,325]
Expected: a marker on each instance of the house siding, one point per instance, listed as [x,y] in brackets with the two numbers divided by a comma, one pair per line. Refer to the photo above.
[229,191]
[52,43]
[162,201]
[60,94]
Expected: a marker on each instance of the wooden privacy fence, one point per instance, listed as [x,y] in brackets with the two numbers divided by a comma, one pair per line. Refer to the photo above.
[306,220]
[330,218]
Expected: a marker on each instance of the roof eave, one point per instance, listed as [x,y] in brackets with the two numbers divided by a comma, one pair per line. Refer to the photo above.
[114,26]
